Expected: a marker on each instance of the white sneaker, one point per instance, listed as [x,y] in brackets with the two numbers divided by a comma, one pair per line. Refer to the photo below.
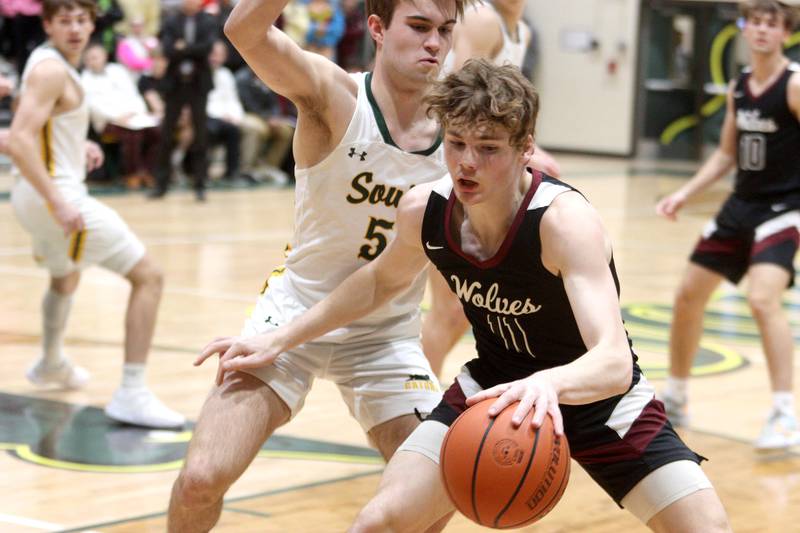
[65,374]
[780,431]
[140,407]
[677,410]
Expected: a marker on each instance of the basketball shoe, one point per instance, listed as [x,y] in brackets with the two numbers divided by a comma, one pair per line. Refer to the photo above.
[65,374]
[676,409]
[138,406]
[780,431]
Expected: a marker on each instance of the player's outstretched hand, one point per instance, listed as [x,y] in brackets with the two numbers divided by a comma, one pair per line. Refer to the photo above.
[669,206]
[240,353]
[535,391]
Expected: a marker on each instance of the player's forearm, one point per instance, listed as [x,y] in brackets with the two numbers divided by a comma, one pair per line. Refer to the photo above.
[249,21]
[719,164]
[600,373]
[357,296]
[20,147]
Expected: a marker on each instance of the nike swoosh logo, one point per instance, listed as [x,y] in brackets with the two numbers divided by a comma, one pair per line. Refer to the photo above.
[429,246]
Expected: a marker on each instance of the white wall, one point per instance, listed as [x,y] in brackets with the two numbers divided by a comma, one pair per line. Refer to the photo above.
[584,106]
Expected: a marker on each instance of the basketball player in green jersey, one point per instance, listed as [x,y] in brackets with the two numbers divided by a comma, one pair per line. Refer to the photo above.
[362,141]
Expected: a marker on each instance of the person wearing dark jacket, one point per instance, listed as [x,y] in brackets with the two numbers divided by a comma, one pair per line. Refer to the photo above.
[187,38]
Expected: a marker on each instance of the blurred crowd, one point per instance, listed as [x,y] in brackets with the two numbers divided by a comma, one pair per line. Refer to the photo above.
[170,97]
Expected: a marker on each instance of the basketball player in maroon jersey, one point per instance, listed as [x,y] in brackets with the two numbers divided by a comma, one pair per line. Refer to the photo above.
[756,231]
[532,265]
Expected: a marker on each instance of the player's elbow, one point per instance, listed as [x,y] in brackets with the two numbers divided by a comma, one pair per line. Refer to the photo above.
[621,371]
[233,29]
[15,146]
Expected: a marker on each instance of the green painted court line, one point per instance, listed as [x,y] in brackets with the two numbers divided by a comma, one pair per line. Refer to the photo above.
[231,500]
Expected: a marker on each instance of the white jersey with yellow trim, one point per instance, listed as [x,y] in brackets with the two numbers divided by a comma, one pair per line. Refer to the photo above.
[345,211]
[62,141]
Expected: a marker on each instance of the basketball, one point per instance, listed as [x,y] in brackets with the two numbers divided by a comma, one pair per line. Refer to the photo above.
[499,476]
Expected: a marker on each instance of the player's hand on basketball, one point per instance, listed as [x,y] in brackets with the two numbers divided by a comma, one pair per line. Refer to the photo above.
[669,206]
[240,353]
[67,216]
[534,392]
[94,156]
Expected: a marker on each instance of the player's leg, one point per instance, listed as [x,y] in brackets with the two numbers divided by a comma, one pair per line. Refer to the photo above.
[444,325]
[147,282]
[133,402]
[646,468]
[767,282]
[699,512]
[53,367]
[235,420]
[685,331]
[409,502]
[389,435]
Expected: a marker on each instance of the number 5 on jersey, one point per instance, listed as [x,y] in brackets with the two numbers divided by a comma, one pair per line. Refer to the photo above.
[377,237]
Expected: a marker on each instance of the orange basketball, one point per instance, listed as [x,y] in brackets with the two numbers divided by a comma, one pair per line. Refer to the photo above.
[502,477]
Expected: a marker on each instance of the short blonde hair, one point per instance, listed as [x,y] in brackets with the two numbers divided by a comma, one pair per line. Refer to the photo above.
[484,93]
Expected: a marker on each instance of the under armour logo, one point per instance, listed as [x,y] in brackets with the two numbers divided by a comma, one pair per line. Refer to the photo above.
[362,155]
[269,321]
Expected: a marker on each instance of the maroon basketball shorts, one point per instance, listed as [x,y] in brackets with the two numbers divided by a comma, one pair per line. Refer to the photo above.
[749,232]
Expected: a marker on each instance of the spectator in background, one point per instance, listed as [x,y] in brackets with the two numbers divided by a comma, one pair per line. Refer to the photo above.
[264,154]
[355,47]
[294,21]
[146,11]
[151,87]
[326,27]
[108,14]
[225,111]
[187,38]
[134,50]
[234,60]
[22,28]
[119,113]
[6,86]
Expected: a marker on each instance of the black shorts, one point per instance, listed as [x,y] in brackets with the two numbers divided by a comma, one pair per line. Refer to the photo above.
[616,463]
[748,232]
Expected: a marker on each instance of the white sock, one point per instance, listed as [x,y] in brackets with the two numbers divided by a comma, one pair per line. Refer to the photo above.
[677,388]
[133,376]
[783,402]
[55,311]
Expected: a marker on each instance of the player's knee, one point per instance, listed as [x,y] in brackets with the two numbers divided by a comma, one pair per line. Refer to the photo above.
[762,303]
[147,274]
[687,298]
[377,517]
[66,285]
[197,486]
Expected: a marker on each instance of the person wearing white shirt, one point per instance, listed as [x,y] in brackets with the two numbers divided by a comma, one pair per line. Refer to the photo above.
[225,111]
[119,113]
